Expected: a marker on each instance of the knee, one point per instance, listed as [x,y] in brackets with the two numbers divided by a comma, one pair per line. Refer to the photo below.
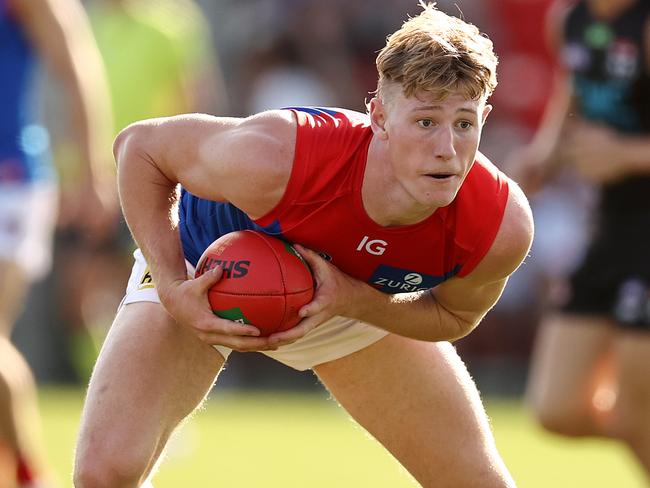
[101,469]
[568,420]
[476,471]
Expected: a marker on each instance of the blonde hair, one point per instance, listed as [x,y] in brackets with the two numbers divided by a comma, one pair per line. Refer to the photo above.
[438,53]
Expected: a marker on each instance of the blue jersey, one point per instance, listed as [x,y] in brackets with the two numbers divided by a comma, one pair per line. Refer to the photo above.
[24,145]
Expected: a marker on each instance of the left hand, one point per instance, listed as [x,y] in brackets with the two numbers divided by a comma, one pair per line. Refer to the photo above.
[336,294]
[595,150]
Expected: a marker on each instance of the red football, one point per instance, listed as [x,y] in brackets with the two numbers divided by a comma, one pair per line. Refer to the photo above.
[265,281]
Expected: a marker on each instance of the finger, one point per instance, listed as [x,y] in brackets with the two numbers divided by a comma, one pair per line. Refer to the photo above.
[246,344]
[211,323]
[241,344]
[311,309]
[310,256]
[288,336]
[307,310]
[315,262]
[210,277]
[236,329]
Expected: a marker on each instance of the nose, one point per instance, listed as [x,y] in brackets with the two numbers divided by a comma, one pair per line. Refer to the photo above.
[444,144]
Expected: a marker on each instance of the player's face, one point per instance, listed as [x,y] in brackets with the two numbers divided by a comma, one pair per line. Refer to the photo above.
[431,143]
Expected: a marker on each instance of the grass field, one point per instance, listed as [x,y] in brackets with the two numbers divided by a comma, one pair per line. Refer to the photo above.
[288,440]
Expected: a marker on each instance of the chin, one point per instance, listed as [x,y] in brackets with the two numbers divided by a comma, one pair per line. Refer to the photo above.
[440,198]
[443,202]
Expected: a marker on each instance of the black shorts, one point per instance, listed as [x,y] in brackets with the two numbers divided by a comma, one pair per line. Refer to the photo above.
[613,280]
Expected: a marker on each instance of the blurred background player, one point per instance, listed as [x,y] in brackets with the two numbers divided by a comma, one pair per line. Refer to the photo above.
[590,367]
[159,61]
[58,34]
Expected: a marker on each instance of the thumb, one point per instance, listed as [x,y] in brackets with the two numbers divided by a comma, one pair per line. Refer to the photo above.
[312,258]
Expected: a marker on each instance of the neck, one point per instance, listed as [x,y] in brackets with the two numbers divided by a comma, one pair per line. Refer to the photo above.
[384,198]
[607,9]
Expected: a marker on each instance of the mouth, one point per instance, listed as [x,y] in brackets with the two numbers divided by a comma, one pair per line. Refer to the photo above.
[440,176]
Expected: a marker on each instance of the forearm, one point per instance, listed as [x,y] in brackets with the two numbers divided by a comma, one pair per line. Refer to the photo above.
[147,196]
[417,315]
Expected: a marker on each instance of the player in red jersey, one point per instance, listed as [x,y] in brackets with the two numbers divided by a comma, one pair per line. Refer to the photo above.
[420,235]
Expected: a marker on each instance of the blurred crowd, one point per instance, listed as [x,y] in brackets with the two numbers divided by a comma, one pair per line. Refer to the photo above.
[230,57]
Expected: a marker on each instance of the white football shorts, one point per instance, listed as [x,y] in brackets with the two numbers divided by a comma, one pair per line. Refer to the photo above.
[28,215]
[333,339]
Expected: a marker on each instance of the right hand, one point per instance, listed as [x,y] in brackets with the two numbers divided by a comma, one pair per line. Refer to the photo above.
[187,302]
[337,294]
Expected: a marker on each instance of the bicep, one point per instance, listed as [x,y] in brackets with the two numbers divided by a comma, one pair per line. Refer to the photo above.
[244,161]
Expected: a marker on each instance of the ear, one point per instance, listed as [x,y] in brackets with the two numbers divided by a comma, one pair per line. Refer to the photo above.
[378,118]
[486,111]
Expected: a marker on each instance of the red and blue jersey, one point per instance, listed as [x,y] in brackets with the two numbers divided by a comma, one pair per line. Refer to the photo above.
[322,209]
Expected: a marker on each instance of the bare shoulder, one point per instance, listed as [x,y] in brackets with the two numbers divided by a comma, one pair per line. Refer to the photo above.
[256,157]
[245,161]
[255,140]
[512,242]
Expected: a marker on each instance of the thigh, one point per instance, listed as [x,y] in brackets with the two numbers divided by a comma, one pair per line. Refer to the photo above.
[567,364]
[418,400]
[150,374]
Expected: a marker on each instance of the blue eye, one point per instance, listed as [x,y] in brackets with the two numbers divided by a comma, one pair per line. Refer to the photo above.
[465,124]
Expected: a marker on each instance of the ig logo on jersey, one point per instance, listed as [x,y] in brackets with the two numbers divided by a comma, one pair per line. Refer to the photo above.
[372,246]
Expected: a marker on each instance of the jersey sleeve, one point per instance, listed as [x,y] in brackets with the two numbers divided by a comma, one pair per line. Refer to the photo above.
[327,142]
